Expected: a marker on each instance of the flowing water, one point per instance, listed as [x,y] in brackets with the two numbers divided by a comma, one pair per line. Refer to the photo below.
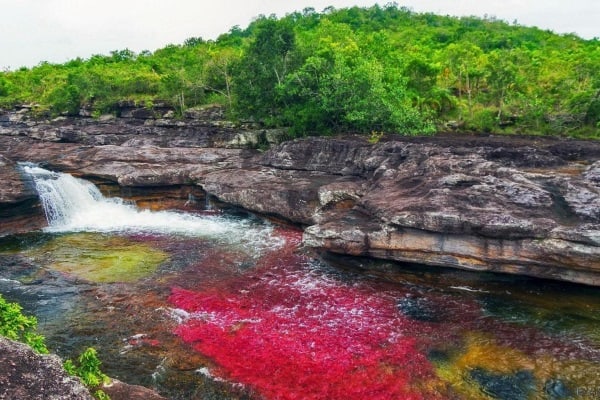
[209,305]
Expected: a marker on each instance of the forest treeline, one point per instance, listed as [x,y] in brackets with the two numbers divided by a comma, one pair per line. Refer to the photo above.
[377,69]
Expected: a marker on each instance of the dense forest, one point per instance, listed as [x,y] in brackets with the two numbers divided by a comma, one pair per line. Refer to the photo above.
[367,70]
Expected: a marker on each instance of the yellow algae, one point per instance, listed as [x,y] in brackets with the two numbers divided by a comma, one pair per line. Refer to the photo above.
[459,382]
[100,258]
[481,352]
[582,374]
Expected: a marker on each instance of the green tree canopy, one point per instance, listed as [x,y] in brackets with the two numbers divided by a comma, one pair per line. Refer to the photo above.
[346,70]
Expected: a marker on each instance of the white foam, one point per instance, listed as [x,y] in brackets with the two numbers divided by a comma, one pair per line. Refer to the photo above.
[75,205]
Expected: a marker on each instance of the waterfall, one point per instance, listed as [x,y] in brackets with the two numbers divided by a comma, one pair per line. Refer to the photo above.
[75,205]
[65,197]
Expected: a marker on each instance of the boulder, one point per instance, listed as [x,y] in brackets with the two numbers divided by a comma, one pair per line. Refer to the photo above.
[25,374]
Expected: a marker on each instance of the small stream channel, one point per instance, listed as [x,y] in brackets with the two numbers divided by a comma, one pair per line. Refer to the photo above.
[211,305]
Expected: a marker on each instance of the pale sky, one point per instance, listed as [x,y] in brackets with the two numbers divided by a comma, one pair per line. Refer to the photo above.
[32,31]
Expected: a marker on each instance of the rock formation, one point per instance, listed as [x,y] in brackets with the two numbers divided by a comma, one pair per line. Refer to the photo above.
[20,209]
[515,205]
[25,374]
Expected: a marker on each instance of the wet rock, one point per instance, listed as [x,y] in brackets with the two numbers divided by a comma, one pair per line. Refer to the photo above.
[118,390]
[292,195]
[517,386]
[332,156]
[20,209]
[556,389]
[25,374]
[592,173]
[524,156]
[584,200]
[419,309]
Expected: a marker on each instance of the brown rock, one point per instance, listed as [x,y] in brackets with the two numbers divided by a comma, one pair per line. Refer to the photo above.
[20,210]
[118,390]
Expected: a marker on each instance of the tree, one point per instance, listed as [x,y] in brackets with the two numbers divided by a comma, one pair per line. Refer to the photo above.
[262,68]
[502,77]
[465,61]
[219,72]
[342,87]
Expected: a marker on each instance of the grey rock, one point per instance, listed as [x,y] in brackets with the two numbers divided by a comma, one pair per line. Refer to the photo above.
[25,374]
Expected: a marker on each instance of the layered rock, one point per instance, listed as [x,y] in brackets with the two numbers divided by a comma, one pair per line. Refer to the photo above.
[517,205]
[137,126]
[478,205]
[530,213]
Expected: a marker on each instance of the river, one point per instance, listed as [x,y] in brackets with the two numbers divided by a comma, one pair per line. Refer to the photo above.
[222,305]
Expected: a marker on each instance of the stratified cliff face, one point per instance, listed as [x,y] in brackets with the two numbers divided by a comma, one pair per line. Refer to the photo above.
[519,210]
[495,204]
[515,205]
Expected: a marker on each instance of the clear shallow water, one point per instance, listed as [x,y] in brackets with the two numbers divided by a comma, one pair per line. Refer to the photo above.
[239,311]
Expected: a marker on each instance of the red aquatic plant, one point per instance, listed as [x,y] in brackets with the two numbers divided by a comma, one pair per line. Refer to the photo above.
[289,331]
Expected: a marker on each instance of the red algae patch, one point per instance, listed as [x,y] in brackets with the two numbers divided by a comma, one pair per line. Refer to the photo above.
[287,330]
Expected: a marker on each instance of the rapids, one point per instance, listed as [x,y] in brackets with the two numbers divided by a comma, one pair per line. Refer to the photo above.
[210,305]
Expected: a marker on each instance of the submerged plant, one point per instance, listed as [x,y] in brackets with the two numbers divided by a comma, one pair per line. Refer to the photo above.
[295,333]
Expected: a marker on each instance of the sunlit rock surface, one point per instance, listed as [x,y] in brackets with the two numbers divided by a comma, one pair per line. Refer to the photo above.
[509,204]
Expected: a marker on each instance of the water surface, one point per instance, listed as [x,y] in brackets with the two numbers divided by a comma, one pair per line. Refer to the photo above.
[217,306]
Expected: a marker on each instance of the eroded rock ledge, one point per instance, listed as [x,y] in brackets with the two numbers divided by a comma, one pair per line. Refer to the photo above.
[516,205]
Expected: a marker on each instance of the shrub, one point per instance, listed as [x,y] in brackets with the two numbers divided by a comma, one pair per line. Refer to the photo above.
[88,370]
[16,326]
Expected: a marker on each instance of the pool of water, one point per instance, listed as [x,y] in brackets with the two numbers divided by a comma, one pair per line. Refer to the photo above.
[241,310]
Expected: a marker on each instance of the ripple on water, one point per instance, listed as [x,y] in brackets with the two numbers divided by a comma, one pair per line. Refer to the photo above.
[261,314]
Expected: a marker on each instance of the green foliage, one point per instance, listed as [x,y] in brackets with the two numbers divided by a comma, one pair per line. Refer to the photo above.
[346,70]
[262,68]
[16,326]
[375,137]
[484,120]
[88,370]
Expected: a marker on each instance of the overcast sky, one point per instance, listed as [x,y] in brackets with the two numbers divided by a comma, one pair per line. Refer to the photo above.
[32,31]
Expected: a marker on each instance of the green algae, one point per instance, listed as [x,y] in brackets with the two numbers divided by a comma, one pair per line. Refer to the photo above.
[100,258]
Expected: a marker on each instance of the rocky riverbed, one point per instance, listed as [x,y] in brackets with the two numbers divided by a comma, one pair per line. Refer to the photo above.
[517,205]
